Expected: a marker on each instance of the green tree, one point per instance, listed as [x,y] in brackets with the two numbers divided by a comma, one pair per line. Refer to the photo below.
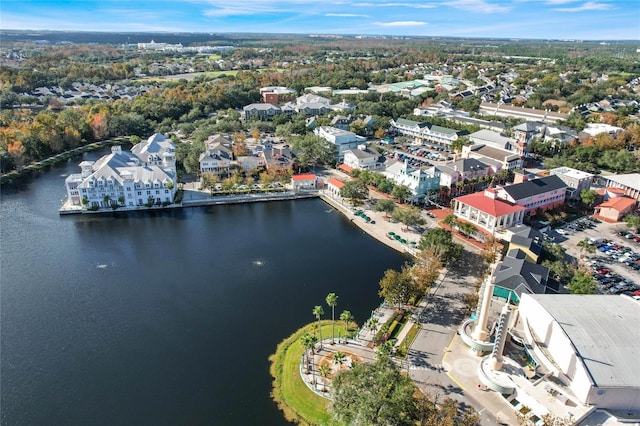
[318,312]
[586,246]
[346,316]
[467,228]
[632,221]
[339,358]
[442,242]
[332,300]
[409,216]
[354,190]
[371,394]
[313,150]
[385,205]
[582,283]
[426,269]
[309,341]
[588,196]
[450,220]
[324,371]
[401,193]
[397,287]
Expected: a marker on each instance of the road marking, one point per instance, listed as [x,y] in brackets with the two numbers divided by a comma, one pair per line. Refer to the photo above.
[455,381]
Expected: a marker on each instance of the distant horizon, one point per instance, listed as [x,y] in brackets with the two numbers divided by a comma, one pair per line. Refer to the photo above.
[319,35]
[563,20]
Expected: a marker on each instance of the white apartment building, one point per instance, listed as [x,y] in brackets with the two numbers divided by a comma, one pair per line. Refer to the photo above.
[147,175]
[342,139]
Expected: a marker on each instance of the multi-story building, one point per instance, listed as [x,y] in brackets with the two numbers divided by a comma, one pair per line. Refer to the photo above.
[544,193]
[125,179]
[216,159]
[576,180]
[363,159]
[487,211]
[425,132]
[342,139]
[486,153]
[419,181]
[261,111]
[463,169]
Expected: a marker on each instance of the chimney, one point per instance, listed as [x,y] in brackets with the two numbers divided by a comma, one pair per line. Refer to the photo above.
[519,177]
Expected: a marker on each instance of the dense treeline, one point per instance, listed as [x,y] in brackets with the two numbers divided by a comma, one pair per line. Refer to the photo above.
[204,105]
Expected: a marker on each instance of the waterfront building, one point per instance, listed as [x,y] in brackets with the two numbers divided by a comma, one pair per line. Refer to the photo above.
[334,186]
[304,181]
[418,180]
[216,159]
[145,176]
[487,211]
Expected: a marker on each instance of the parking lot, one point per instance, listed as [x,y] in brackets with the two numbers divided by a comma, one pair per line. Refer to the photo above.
[420,156]
[615,263]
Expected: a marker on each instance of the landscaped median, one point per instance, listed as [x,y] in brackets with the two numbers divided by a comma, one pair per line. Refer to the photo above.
[299,403]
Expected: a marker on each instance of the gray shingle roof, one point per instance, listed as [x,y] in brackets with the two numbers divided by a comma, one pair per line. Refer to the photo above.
[533,187]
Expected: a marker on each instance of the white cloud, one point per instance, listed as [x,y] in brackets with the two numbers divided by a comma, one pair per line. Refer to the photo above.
[478,6]
[406,5]
[400,24]
[346,15]
[588,6]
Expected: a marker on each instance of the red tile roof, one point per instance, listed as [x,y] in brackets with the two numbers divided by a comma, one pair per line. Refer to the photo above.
[345,168]
[307,176]
[335,182]
[614,190]
[494,207]
[619,203]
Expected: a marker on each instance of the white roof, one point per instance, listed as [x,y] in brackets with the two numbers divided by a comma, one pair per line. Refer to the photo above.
[603,330]
[631,180]
[573,173]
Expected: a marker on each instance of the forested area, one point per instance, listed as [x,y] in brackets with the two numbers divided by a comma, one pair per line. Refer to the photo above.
[31,130]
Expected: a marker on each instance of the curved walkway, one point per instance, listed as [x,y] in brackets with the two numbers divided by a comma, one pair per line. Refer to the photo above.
[355,351]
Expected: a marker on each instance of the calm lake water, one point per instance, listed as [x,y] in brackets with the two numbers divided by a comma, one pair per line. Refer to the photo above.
[164,317]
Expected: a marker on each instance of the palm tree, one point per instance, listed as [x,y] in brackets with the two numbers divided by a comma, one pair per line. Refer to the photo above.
[332,300]
[339,358]
[309,341]
[584,245]
[346,316]
[324,371]
[319,312]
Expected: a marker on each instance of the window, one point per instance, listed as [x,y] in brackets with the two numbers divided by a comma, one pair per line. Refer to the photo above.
[139,192]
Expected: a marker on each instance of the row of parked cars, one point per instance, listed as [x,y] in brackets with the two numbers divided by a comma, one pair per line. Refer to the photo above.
[612,283]
[610,252]
[578,225]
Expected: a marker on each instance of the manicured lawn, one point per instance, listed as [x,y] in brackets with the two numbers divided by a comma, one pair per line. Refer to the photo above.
[294,398]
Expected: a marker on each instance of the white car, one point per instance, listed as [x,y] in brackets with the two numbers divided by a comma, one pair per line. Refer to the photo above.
[563,231]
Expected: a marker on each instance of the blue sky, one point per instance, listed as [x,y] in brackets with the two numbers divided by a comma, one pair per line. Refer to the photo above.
[540,19]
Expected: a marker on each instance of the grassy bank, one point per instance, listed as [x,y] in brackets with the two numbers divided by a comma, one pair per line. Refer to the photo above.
[298,403]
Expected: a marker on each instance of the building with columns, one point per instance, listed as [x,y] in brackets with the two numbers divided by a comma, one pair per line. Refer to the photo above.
[487,211]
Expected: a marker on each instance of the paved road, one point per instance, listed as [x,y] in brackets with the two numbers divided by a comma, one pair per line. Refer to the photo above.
[434,354]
